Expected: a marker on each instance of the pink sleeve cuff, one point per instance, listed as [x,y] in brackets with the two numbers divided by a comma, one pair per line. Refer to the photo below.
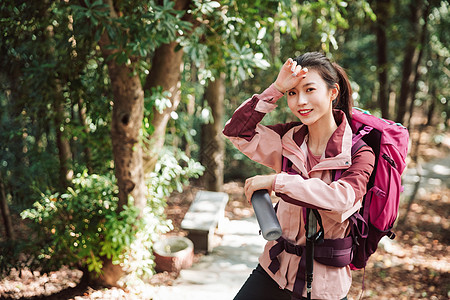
[273,183]
[271,94]
[268,98]
[281,179]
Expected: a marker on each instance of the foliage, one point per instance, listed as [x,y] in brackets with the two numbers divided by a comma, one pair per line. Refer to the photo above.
[137,31]
[83,224]
[315,25]
[172,172]
[436,71]
[225,41]
[239,167]
[42,64]
[52,54]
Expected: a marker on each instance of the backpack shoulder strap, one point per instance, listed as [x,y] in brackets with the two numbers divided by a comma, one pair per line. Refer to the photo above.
[357,144]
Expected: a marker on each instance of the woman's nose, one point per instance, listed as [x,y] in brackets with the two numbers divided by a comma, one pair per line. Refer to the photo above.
[301,100]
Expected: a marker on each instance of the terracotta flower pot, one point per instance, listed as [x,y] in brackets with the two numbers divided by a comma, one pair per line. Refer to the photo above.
[173,254]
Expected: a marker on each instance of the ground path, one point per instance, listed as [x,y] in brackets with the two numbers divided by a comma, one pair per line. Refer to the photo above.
[219,274]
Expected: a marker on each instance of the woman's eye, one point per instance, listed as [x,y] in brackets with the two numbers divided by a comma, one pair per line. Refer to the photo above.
[309,89]
[291,93]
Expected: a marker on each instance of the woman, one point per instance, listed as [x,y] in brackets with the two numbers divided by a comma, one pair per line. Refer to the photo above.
[303,155]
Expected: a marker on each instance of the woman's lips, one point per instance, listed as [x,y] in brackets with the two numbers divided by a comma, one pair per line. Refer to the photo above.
[304,112]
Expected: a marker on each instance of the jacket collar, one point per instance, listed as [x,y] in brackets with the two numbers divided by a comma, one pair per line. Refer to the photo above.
[337,151]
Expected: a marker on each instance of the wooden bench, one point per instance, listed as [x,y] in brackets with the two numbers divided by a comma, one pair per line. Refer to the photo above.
[205,213]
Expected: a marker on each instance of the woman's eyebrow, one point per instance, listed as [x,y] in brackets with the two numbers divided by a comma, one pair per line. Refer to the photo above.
[308,83]
[304,85]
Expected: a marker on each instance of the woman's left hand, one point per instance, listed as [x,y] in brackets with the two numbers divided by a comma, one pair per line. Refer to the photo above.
[289,76]
[259,182]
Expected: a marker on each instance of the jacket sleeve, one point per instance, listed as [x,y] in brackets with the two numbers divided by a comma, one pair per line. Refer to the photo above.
[339,196]
[260,143]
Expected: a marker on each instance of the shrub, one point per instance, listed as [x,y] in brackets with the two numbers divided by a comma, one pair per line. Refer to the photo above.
[79,226]
[82,225]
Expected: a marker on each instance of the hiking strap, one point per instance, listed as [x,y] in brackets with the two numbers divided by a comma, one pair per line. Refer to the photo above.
[336,253]
[361,221]
[361,227]
[284,245]
[312,237]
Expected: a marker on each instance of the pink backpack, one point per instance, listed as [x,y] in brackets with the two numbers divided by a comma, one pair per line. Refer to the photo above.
[379,211]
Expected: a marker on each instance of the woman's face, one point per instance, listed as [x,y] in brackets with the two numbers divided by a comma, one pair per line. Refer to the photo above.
[311,100]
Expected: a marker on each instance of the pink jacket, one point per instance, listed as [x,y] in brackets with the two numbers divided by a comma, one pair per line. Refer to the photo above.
[336,199]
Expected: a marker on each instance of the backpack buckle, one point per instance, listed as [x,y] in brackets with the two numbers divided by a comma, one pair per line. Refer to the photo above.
[355,240]
[377,191]
[365,130]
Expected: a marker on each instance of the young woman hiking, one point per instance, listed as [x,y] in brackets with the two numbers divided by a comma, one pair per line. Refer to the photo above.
[303,154]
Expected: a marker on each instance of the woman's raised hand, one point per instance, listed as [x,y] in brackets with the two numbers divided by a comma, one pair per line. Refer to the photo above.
[290,75]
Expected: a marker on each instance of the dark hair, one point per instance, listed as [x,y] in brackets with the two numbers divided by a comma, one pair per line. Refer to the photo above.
[331,73]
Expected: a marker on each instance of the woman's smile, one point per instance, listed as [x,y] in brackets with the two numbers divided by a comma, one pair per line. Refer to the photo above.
[304,112]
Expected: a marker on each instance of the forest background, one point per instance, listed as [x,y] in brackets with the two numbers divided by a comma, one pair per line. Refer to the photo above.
[107,107]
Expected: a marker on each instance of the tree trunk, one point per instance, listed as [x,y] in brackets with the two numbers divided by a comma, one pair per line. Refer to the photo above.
[5,212]
[126,124]
[62,142]
[83,122]
[190,108]
[213,146]
[127,115]
[382,9]
[423,38]
[275,45]
[166,70]
[17,146]
[431,105]
[410,59]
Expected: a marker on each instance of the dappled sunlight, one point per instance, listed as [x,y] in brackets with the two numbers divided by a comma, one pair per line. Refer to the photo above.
[28,284]
[441,170]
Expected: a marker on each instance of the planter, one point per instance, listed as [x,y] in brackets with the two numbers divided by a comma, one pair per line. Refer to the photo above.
[173,254]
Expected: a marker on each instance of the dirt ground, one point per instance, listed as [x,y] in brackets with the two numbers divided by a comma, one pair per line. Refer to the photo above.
[415,266]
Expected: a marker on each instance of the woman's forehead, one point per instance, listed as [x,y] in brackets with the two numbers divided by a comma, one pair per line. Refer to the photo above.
[312,77]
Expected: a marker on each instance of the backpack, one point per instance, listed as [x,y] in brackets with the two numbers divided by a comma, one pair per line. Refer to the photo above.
[389,141]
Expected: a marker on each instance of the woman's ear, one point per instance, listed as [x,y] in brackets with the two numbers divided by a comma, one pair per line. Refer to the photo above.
[334,92]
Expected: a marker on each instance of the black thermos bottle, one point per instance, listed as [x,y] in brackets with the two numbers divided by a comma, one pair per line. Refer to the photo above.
[265,215]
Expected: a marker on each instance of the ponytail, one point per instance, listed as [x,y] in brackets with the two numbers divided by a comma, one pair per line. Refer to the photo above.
[344,101]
